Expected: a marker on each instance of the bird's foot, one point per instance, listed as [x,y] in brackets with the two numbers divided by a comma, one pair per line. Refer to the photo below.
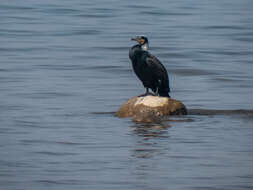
[147,94]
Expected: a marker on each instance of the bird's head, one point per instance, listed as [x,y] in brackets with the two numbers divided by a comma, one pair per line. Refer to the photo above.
[143,41]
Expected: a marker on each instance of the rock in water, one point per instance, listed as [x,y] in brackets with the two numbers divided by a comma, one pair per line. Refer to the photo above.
[150,108]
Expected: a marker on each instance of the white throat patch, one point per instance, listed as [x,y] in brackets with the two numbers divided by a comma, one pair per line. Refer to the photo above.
[145,47]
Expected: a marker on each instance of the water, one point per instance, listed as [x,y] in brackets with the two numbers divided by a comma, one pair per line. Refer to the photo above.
[62,61]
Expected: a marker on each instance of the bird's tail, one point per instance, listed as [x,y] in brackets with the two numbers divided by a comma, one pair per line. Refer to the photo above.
[164,88]
[163,92]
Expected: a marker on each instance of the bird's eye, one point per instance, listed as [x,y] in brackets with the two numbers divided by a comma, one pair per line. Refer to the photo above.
[141,41]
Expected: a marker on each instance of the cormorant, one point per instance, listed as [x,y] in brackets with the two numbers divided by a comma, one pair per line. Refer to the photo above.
[148,68]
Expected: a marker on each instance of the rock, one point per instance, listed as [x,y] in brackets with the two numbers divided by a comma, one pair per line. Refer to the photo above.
[150,108]
[147,116]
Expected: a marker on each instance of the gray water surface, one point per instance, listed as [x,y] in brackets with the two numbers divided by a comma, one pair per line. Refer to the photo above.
[61,62]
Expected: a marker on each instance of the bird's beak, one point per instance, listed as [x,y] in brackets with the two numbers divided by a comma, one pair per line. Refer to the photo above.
[134,39]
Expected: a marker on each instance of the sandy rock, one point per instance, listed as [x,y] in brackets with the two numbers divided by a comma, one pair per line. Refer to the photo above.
[150,108]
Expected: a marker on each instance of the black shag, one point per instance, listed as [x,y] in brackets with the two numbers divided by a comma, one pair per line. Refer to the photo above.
[148,68]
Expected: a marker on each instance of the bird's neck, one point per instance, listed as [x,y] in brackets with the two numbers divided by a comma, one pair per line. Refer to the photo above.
[144,47]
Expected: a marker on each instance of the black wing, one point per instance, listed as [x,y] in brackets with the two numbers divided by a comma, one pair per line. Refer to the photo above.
[160,73]
[158,69]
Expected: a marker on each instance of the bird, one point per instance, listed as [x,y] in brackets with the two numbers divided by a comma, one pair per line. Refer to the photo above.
[148,68]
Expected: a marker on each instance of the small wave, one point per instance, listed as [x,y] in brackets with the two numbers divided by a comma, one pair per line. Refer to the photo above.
[190,72]
[49,153]
[220,112]
[58,182]
[160,13]
[221,27]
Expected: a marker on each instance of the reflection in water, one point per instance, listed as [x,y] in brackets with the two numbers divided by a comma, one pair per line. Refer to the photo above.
[146,147]
[152,136]
[151,130]
[149,146]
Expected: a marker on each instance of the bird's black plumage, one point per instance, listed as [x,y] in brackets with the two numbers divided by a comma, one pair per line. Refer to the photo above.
[148,68]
